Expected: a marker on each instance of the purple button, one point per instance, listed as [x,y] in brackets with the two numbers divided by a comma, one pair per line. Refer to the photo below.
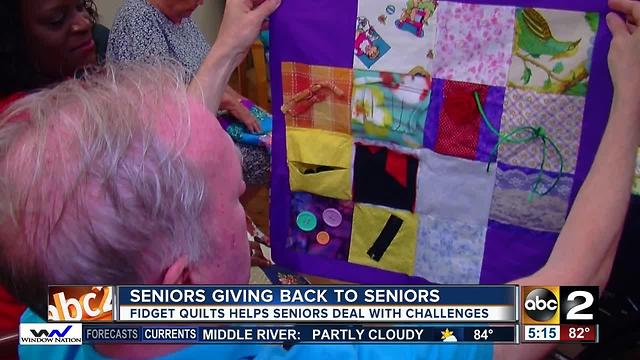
[332,217]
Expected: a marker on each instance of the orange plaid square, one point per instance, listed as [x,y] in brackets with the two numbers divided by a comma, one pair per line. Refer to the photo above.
[328,108]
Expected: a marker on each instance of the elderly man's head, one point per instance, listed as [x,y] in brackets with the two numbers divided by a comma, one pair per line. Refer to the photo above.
[118,178]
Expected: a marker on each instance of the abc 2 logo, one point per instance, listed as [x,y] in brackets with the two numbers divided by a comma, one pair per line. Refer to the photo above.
[80,303]
[554,305]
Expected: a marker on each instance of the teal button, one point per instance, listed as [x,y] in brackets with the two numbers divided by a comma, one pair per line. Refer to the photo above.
[306,221]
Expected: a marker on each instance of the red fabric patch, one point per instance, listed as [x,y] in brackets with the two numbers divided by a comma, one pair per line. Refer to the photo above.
[10,311]
[6,102]
[459,122]
[10,308]
[396,166]
[372,149]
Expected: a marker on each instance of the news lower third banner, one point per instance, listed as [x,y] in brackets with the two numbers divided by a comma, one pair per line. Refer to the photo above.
[76,334]
[299,334]
[283,304]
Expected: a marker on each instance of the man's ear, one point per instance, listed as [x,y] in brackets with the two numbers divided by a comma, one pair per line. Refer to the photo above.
[178,273]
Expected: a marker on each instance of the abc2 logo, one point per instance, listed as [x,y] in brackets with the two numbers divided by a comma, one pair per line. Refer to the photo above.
[554,305]
[80,303]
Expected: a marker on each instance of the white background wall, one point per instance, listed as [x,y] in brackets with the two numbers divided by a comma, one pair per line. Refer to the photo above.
[207,17]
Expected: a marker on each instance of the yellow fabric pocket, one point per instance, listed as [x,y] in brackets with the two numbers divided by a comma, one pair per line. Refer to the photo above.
[368,228]
[320,162]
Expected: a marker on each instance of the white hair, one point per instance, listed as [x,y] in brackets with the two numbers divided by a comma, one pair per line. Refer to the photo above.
[89,194]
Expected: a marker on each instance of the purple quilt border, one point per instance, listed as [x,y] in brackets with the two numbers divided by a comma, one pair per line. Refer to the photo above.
[487,140]
[433,114]
[598,105]
[297,20]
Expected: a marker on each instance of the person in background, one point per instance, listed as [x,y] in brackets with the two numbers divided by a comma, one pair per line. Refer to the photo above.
[111,213]
[43,42]
[152,31]
[156,30]
[46,41]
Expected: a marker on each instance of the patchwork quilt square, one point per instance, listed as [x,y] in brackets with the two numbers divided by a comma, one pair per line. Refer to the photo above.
[454,188]
[513,203]
[319,162]
[455,125]
[560,119]
[317,97]
[474,43]
[391,107]
[395,35]
[552,51]
[449,251]
[384,177]
[383,238]
[320,226]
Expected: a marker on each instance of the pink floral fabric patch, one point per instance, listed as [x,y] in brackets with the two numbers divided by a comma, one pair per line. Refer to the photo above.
[474,43]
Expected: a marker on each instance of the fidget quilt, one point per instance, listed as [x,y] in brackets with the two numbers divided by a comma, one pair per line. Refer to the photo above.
[432,141]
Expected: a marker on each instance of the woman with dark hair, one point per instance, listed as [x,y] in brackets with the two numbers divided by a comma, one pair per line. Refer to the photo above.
[45,41]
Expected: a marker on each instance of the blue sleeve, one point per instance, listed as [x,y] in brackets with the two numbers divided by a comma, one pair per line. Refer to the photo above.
[29,316]
[383,351]
[335,352]
[427,352]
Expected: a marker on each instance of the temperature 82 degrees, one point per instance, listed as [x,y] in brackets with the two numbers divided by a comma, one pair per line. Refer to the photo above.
[579,333]
[492,334]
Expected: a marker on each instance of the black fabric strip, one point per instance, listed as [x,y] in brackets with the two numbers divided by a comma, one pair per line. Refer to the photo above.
[388,233]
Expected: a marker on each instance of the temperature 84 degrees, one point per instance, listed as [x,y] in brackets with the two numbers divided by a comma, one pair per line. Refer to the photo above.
[494,334]
[482,334]
[579,333]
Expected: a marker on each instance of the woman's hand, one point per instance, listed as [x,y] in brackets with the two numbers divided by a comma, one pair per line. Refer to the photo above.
[241,24]
[231,102]
[624,54]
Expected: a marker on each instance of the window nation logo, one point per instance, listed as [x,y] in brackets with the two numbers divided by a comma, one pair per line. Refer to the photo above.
[51,334]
